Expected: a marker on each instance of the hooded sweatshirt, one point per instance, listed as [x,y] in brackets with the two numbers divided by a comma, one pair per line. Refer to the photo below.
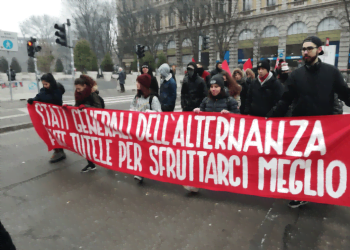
[193,90]
[168,87]
[216,70]
[53,95]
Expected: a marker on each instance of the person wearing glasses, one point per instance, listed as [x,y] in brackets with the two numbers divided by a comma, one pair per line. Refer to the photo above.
[312,88]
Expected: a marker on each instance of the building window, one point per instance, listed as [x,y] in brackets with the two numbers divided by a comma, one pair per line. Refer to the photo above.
[186,43]
[270,31]
[171,45]
[297,28]
[159,47]
[157,21]
[246,35]
[247,5]
[271,2]
[171,19]
[330,23]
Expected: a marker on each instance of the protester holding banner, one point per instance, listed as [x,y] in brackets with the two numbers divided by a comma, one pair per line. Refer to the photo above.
[311,88]
[218,100]
[51,93]
[85,97]
[193,90]
[264,92]
[144,101]
[168,87]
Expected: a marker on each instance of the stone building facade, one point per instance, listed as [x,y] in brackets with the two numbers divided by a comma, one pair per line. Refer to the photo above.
[266,29]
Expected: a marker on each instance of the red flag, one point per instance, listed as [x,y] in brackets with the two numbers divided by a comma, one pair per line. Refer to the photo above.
[193,60]
[248,65]
[226,67]
[277,63]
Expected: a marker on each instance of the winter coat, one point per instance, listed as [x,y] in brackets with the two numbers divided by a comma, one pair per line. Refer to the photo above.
[261,98]
[193,91]
[53,95]
[122,77]
[206,77]
[141,104]
[92,101]
[216,70]
[313,88]
[167,95]
[6,242]
[217,105]
[243,94]
[13,75]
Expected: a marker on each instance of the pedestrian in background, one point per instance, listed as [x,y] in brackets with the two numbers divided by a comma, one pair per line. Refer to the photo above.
[52,93]
[11,74]
[238,76]
[121,78]
[173,71]
[232,88]
[168,88]
[217,70]
[86,96]
[193,90]
[146,69]
[144,101]
[264,92]
[204,74]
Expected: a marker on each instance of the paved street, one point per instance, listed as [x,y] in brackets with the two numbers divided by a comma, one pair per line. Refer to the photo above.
[53,206]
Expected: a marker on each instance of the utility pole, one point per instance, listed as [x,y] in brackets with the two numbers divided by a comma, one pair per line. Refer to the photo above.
[71,47]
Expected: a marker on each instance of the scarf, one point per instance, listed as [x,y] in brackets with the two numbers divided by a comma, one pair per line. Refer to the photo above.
[80,97]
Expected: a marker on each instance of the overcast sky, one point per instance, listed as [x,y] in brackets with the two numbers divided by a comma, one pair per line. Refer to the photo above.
[13,12]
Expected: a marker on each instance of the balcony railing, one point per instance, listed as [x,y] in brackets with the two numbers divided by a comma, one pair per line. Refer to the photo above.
[297,3]
[247,12]
[271,7]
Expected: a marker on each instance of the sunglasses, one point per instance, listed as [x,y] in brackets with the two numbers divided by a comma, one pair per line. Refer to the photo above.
[308,49]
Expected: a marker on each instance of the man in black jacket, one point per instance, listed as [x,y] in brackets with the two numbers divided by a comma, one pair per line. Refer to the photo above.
[264,92]
[217,70]
[146,69]
[312,88]
[193,90]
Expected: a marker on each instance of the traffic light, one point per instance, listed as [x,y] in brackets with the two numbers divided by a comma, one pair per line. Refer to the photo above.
[140,51]
[61,34]
[205,43]
[31,47]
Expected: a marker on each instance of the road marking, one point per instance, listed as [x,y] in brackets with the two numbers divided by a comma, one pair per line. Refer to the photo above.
[12,116]
[24,110]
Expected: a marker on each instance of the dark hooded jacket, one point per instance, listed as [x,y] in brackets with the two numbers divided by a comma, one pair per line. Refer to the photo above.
[154,82]
[53,95]
[220,103]
[313,89]
[261,98]
[216,70]
[193,90]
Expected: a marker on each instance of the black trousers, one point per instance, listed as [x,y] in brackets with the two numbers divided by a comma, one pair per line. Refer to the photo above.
[122,89]
[91,163]
[5,239]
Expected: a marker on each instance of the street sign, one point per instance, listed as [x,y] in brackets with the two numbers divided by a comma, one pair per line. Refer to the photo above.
[8,41]
[281,55]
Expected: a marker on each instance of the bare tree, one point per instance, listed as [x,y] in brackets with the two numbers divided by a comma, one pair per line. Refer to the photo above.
[40,27]
[193,15]
[138,25]
[92,21]
[225,20]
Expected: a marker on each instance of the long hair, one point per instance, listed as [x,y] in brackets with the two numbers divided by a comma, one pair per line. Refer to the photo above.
[250,74]
[84,79]
[233,87]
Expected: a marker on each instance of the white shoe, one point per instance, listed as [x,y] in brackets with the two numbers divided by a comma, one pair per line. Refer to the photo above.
[191,189]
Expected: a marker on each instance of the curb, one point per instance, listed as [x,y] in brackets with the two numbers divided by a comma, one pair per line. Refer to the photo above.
[15,127]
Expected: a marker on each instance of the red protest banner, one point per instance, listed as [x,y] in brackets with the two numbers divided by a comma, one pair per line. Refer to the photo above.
[290,158]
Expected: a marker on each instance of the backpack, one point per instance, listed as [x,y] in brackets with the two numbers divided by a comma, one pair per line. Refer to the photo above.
[102,101]
[150,101]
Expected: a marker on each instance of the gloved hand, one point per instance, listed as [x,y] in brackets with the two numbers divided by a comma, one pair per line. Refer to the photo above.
[82,106]
[30,101]
[65,106]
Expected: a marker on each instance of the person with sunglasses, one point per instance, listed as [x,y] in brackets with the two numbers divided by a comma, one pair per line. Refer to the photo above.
[312,88]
